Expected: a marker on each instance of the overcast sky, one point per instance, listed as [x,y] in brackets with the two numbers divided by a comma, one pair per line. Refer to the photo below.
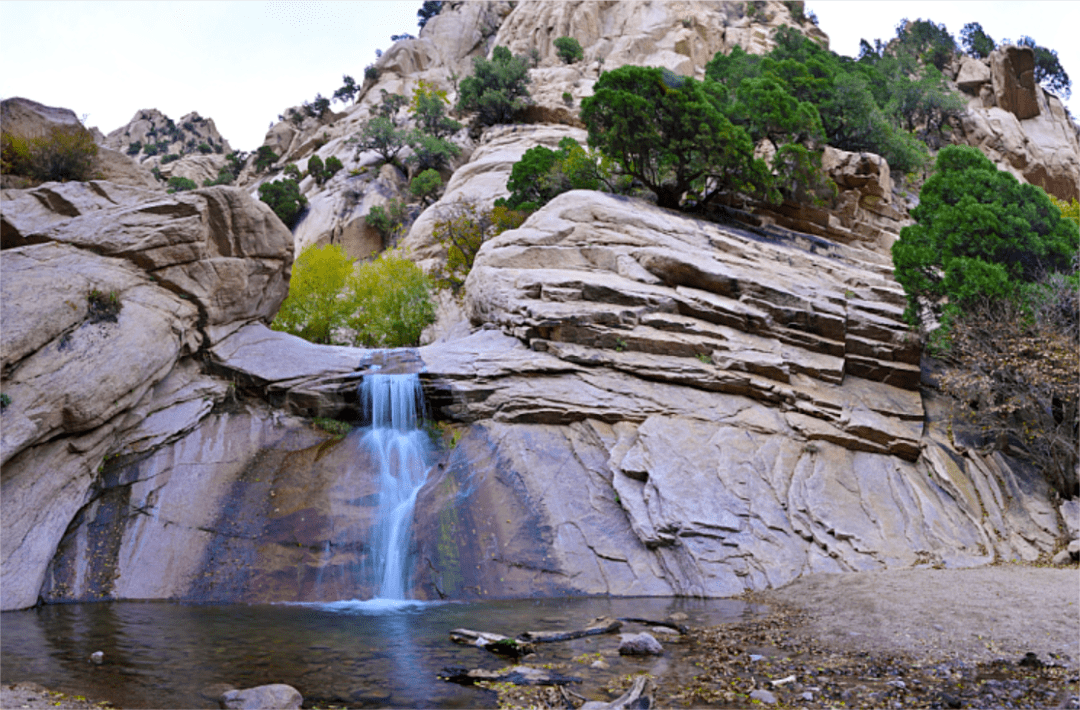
[243,63]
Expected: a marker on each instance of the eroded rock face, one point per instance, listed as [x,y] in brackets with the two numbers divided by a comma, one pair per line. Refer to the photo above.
[109,294]
[1021,127]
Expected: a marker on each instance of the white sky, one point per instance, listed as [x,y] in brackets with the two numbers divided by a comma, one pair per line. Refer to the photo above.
[243,63]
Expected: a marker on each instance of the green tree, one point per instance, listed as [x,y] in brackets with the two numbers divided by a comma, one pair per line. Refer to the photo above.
[569,50]
[429,152]
[382,136]
[388,221]
[315,169]
[284,199]
[428,10]
[390,104]
[390,302]
[426,185]
[348,91]
[428,107]
[669,133]
[264,158]
[496,90]
[976,42]
[979,233]
[315,307]
[542,174]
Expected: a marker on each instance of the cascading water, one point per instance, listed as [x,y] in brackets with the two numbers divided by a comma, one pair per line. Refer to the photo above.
[399,449]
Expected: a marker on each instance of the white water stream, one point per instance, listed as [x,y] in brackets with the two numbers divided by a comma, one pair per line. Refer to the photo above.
[399,448]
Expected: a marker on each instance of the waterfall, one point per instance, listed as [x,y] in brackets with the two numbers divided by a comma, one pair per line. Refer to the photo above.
[399,449]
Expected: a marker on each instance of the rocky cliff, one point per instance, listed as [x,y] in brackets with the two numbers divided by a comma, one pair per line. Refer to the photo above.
[644,402]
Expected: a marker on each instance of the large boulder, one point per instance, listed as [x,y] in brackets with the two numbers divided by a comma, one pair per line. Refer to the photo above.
[1013,77]
[30,119]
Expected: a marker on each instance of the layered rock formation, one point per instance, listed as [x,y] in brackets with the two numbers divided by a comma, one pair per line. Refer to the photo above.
[110,295]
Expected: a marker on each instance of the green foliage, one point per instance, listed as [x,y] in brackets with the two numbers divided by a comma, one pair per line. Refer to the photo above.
[5,401]
[264,158]
[542,174]
[338,428]
[170,158]
[1070,210]
[426,185]
[431,153]
[348,91]
[180,184]
[497,88]
[382,136]
[428,108]
[205,148]
[568,98]
[388,221]
[390,105]
[284,199]
[669,133]
[428,10]
[323,172]
[463,230]
[569,50]
[390,299]
[928,42]
[291,171]
[1048,70]
[976,42]
[979,234]
[371,73]
[134,148]
[103,306]
[315,307]
[65,153]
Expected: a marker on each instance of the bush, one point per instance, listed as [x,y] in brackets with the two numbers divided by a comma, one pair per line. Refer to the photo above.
[568,98]
[428,107]
[264,158]
[1012,373]
[348,90]
[431,153]
[979,234]
[284,199]
[135,148]
[390,299]
[463,231]
[101,306]
[371,73]
[170,158]
[205,148]
[569,50]
[388,221]
[180,184]
[426,185]
[542,174]
[65,153]
[496,90]
[669,133]
[315,307]
[291,171]
[390,105]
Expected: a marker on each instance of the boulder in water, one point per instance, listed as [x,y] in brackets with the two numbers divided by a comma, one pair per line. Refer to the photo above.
[263,697]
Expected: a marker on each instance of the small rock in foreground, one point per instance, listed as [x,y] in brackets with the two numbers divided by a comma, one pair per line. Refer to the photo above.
[764,696]
[264,697]
[643,644]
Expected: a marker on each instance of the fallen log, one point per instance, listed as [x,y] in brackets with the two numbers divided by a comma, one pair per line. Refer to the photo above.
[681,628]
[496,643]
[638,697]
[517,675]
[603,625]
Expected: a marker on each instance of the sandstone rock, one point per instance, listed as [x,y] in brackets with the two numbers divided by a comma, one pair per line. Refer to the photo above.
[1013,78]
[196,167]
[643,644]
[150,126]
[973,74]
[263,697]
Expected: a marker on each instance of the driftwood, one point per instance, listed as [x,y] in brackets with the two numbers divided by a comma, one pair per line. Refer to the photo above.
[681,628]
[603,625]
[517,675]
[496,643]
[639,697]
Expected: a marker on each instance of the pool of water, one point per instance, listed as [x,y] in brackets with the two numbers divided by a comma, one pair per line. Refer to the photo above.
[352,654]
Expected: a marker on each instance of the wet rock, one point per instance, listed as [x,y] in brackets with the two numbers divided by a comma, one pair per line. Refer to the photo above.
[643,644]
[264,697]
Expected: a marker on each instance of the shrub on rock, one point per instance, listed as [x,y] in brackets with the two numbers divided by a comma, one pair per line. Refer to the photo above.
[569,50]
[284,198]
[496,90]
